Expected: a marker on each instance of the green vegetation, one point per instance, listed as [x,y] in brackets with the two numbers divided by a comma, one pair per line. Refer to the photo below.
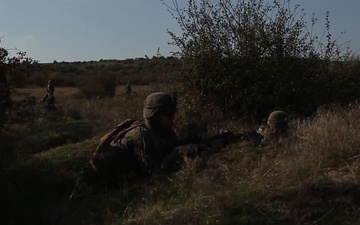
[233,61]
[312,177]
[44,136]
[248,57]
[140,71]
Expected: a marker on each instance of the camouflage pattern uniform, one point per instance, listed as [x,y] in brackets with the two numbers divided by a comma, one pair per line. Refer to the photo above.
[134,147]
[128,88]
[50,90]
[49,96]
[268,135]
[275,129]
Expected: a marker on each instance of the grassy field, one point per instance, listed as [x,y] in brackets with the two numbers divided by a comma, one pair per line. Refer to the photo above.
[64,93]
[312,178]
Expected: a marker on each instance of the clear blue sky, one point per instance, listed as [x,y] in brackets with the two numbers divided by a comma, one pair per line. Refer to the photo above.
[83,30]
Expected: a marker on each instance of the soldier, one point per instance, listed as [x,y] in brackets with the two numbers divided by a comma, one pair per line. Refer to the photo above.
[134,147]
[269,134]
[49,96]
[50,88]
[275,128]
[128,88]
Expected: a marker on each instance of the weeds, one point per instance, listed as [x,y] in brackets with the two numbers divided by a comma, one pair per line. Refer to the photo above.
[242,184]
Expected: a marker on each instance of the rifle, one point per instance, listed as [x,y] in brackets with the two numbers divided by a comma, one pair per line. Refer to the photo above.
[219,141]
[197,147]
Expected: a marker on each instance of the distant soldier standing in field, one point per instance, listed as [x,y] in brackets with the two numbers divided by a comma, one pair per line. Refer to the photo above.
[49,96]
[128,88]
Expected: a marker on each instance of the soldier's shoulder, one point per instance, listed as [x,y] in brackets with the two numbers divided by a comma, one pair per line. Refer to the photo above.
[138,133]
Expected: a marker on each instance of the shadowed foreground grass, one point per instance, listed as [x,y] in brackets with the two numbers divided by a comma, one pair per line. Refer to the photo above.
[226,191]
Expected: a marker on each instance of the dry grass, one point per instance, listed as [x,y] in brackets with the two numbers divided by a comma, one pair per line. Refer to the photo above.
[104,113]
[328,141]
[61,93]
[311,177]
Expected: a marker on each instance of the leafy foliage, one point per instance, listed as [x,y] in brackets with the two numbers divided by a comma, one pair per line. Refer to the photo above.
[249,57]
[9,65]
[71,74]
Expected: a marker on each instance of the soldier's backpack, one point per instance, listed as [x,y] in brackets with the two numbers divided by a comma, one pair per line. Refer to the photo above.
[110,158]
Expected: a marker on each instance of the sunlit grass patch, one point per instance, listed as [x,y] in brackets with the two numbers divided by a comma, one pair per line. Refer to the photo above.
[71,157]
[311,177]
[42,136]
[61,93]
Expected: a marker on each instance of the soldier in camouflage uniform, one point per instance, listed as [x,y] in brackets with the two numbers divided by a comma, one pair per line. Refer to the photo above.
[275,129]
[150,145]
[134,147]
[49,96]
[128,88]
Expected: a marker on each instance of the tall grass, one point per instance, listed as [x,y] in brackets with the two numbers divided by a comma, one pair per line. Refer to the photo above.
[104,113]
[328,141]
[309,178]
[315,148]
[300,181]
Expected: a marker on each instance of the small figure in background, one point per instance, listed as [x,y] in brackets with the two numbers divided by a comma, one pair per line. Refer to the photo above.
[128,88]
[49,96]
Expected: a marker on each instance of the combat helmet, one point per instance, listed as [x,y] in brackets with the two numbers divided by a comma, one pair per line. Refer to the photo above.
[278,119]
[159,101]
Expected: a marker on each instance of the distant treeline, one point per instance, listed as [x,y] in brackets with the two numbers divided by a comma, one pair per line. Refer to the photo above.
[139,71]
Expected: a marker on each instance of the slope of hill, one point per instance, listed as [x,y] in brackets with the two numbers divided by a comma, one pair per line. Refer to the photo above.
[312,178]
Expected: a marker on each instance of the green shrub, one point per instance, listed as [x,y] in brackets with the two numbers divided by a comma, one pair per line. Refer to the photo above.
[10,67]
[250,57]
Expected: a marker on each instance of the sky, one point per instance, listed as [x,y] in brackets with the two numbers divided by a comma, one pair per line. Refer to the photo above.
[84,30]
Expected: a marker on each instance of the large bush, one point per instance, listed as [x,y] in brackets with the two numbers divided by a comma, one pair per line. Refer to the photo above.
[10,66]
[249,57]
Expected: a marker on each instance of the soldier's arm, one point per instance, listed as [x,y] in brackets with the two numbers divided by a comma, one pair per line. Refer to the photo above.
[196,147]
[219,141]
[141,157]
[139,145]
